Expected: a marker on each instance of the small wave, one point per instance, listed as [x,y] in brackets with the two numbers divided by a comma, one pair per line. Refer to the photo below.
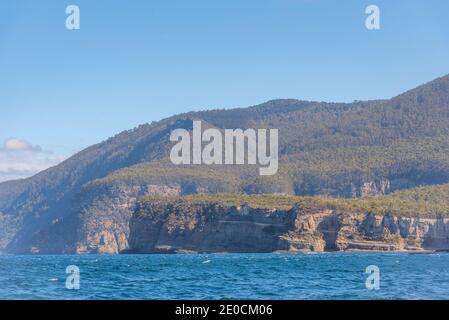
[207,261]
[53,279]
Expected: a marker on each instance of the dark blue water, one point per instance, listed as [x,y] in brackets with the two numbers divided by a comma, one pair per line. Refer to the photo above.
[229,276]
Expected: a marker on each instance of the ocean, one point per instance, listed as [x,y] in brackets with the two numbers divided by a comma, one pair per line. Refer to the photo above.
[227,276]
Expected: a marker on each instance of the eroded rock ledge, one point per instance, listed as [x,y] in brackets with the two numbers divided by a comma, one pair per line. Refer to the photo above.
[183,226]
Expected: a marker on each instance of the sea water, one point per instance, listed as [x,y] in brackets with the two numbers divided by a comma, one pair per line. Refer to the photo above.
[227,276]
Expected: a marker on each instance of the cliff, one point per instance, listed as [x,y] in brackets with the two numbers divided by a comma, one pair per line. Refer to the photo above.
[184,225]
[342,150]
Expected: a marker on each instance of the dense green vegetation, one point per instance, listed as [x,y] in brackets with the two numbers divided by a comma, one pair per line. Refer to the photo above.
[332,150]
[328,149]
[429,202]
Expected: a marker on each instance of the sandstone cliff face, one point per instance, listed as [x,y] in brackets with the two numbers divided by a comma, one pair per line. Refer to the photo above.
[104,221]
[157,227]
[99,222]
[342,231]
[182,227]
[101,219]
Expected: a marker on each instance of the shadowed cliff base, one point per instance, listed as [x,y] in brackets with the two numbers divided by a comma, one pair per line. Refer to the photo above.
[277,223]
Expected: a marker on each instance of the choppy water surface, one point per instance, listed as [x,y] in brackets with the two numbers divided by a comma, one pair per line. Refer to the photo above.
[227,276]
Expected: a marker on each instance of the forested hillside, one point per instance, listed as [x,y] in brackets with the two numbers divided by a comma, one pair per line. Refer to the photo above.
[360,149]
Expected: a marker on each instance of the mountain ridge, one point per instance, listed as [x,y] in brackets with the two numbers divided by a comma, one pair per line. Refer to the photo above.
[329,149]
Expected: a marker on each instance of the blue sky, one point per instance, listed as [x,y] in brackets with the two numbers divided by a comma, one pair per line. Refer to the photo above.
[138,61]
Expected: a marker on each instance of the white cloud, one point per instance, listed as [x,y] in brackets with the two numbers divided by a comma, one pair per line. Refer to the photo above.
[20,159]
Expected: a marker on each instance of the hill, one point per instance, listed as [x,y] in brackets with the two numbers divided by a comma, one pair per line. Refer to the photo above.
[360,149]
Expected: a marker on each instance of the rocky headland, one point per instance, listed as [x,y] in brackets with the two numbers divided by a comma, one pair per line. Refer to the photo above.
[180,225]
